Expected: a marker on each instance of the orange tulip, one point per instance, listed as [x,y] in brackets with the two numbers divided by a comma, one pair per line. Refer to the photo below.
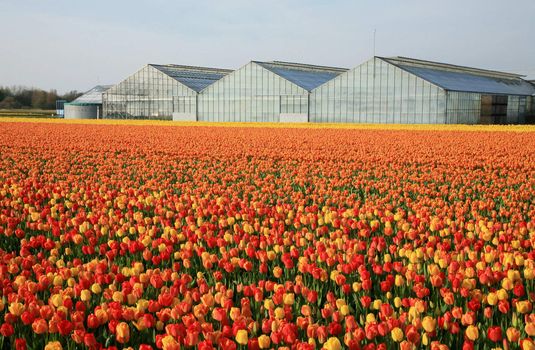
[53,345]
[40,326]
[513,334]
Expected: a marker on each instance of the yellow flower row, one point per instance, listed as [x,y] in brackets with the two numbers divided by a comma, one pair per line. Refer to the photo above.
[415,127]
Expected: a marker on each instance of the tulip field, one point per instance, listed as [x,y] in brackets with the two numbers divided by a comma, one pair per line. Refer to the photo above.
[175,236]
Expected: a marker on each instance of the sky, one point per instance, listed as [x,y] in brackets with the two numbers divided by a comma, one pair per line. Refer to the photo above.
[74,45]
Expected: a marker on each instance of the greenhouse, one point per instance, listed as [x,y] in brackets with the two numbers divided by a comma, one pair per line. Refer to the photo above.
[160,92]
[88,105]
[405,90]
[381,90]
[264,92]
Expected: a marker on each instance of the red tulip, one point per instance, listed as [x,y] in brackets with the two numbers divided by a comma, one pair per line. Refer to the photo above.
[20,344]
[7,330]
[494,333]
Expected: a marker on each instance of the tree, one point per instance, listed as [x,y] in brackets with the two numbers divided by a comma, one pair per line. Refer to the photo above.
[71,95]
[38,99]
[9,103]
[3,93]
[51,98]
[23,97]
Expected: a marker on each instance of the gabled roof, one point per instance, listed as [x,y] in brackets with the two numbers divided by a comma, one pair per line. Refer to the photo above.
[93,95]
[196,78]
[306,76]
[466,79]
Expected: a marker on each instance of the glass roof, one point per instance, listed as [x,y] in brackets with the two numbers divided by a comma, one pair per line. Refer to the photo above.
[94,95]
[458,78]
[306,76]
[196,78]
[472,83]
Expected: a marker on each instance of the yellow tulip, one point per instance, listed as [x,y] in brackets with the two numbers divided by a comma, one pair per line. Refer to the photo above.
[472,332]
[397,334]
[264,341]
[289,299]
[502,294]
[332,344]
[492,299]
[279,313]
[429,324]
[241,337]
[523,306]
[85,295]
[528,344]
[16,308]
[344,310]
[168,342]
[118,297]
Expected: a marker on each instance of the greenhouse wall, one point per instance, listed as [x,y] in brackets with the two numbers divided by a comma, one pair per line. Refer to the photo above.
[519,109]
[378,92]
[148,94]
[251,94]
[530,108]
[463,108]
[514,106]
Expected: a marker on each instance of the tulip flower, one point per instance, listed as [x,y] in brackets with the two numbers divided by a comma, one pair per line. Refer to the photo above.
[513,334]
[429,324]
[332,344]
[54,345]
[264,341]
[472,332]
[7,330]
[397,334]
[241,337]
[523,306]
[494,333]
[122,332]
[16,308]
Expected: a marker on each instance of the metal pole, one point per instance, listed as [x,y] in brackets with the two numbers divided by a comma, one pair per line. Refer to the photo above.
[374,32]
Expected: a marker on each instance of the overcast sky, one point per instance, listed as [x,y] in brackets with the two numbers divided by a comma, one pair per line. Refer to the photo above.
[66,44]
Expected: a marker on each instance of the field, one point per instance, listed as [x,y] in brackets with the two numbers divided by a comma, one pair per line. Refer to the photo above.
[27,113]
[159,235]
